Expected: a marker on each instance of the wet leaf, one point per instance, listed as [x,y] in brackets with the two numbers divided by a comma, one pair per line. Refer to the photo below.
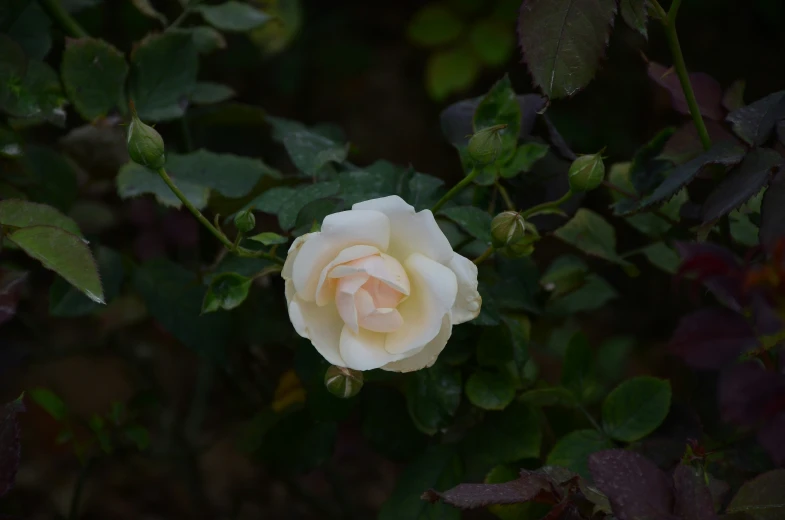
[755,122]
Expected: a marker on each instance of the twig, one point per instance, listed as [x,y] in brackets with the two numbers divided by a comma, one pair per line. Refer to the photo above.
[456,189]
[483,257]
[506,196]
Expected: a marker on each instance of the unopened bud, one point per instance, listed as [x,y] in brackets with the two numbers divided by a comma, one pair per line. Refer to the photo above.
[586,172]
[343,382]
[245,221]
[145,144]
[524,243]
[485,145]
[507,228]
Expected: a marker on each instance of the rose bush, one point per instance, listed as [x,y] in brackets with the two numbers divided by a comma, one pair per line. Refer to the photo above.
[379,287]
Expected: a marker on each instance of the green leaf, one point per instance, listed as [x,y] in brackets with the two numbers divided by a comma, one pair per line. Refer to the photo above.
[550,396]
[94,73]
[387,426]
[525,156]
[50,402]
[205,38]
[635,14]
[648,169]
[26,23]
[433,396]
[226,291]
[230,175]
[64,253]
[755,122]
[593,294]
[500,107]
[22,214]
[269,238]
[473,220]
[612,357]
[163,75]
[438,468]
[572,451]
[377,180]
[493,41]
[564,275]
[207,92]
[37,96]
[772,213]
[563,41]
[592,234]
[578,369]
[309,149]
[490,390]
[636,408]
[149,11]
[50,177]
[761,497]
[287,202]
[434,25]
[423,190]
[662,256]
[233,16]
[138,435]
[13,67]
[66,301]
[450,71]
[134,180]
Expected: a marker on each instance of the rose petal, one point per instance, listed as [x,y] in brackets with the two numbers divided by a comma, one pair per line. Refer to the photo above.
[434,288]
[468,302]
[364,350]
[345,298]
[382,320]
[339,231]
[427,356]
[291,256]
[382,267]
[322,325]
[325,291]
[383,295]
[410,232]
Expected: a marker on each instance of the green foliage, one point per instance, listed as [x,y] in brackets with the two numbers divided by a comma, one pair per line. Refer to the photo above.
[21,214]
[434,25]
[50,402]
[573,450]
[489,390]
[592,234]
[500,107]
[636,408]
[433,396]
[233,16]
[226,291]
[67,301]
[473,220]
[94,74]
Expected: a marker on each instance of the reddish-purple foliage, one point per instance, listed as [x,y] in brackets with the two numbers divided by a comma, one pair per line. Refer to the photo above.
[9,444]
[711,338]
[707,91]
[750,394]
[11,284]
[693,497]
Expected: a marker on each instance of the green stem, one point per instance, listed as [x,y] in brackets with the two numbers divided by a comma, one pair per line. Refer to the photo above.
[64,19]
[456,189]
[483,257]
[506,196]
[546,205]
[669,24]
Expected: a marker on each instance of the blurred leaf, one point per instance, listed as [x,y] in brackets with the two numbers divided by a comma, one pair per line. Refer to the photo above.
[64,253]
[37,96]
[233,16]
[377,180]
[13,66]
[549,396]
[592,234]
[387,426]
[500,107]
[755,122]
[707,90]
[226,291]
[612,357]
[298,444]
[514,286]
[493,41]
[711,338]
[434,25]
[693,497]
[635,14]
[269,238]
[50,402]
[206,92]
[572,451]
[490,390]
[287,202]
[636,408]
[50,177]
[761,497]
[308,149]
[593,294]
[495,346]
[287,21]
[205,38]
[10,454]
[473,220]
[742,183]
[94,74]
[138,435]
[565,274]
[163,75]
[647,169]
[146,8]
[26,23]
[311,368]
[733,98]
[67,301]
[662,256]
[578,369]
[772,214]
[439,467]
[450,71]
[134,180]
[432,396]
[525,156]
[563,41]
[22,214]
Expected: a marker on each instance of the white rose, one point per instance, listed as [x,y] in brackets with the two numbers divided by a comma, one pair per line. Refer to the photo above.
[379,287]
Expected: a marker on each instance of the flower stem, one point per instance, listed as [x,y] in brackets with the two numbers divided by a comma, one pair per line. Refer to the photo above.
[506,196]
[64,19]
[485,256]
[456,189]
[546,205]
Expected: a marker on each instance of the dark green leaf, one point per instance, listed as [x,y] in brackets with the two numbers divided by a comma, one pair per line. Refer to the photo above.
[377,180]
[25,22]
[500,107]
[742,183]
[206,39]
[495,347]
[612,357]
[287,202]
[490,390]
[440,468]
[66,301]
[572,451]
[226,291]
[473,220]
[298,444]
[592,234]
[13,67]
[163,75]
[593,294]
[772,214]
[493,41]
[761,497]
[135,180]
[515,285]
[755,122]
[10,441]
[230,175]
[433,396]
[449,71]
[525,156]
[311,368]
[38,96]
[50,402]
[563,41]
[21,214]
[94,73]
[207,92]
[647,170]
[146,8]
[308,149]
[233,16]
[635,14]
[636,408]
[64,253]
[387,426]
[51,177]
[434,25]
[269,238]
[423,190]
[578,368]
[551,396]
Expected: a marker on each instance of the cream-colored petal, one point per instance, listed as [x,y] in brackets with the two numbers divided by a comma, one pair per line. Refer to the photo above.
[410,232]
[322,325]
[364,350]
[427,356]
[345,298]
[382,267]
[339,231]
[434,288]
[382,320]
[294,250]
[383,295]
[468,302]
[325,290]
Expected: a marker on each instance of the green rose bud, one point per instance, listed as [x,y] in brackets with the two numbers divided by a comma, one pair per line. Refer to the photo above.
[245,221]
[485,145]
[343,382]
[507,228]
[586,172]
[524,244]
[145,144]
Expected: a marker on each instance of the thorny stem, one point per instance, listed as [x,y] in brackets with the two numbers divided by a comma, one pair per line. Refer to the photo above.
[506,196]
[66,22]
[483,257]
[456,189]
[546,205]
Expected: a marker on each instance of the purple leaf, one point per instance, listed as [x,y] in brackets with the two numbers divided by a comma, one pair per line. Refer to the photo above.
[755,122]
[748,393]
[707,91]
[772,438]
[530,486]
[9,444]
[762,497]
[685,143]
[710,338]
[772,214]
[693,498]
[716,268]
[11,284]
[635,487]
